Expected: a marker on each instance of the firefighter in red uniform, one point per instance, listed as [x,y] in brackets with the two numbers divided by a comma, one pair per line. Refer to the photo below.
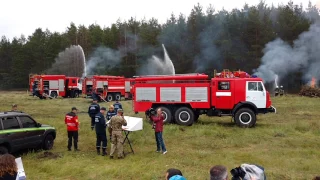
[72,123]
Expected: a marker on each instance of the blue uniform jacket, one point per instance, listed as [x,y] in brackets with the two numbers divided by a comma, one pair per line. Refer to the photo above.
[100,123]
[94,109]
[110,114]
[117,106]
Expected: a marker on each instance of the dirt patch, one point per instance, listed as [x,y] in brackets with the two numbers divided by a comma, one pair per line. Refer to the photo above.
[49,155]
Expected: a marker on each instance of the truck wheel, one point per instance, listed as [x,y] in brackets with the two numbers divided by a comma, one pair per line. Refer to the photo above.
[118,97]
[3,150]
[54,94]
[48,142]
[245,117]
[167,115]
[76,94]
[109,97]
[184,116]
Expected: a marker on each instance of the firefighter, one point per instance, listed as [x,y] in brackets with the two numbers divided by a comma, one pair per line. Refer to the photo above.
[117,105]
[115,126]
[110,114]
[72,122]
[100,123]
[94,109]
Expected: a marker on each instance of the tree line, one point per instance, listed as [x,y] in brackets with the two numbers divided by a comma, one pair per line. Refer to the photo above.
[204,40]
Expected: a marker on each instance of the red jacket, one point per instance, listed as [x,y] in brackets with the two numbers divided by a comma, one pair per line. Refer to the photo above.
[71,121]
[158,120]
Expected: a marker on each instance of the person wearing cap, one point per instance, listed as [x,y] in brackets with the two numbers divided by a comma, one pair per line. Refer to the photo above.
[110,114]
[72,122]
[115,126]
[94,109]
[100,126]
[117,105]
[14,107]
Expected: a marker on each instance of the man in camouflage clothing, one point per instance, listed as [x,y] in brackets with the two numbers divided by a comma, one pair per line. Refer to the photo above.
[115,126]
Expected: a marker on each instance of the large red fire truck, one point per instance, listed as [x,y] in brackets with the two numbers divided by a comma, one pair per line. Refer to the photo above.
[183,98]
[52,86]
[110,88]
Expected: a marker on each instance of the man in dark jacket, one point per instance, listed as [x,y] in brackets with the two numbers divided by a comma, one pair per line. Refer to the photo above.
[117,105]
[94,109]
[101,125]
[71,120]
[158,121]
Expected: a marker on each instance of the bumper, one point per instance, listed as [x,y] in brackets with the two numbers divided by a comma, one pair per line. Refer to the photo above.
[272,109]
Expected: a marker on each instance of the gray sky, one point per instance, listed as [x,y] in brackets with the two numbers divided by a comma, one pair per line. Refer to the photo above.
[24,16]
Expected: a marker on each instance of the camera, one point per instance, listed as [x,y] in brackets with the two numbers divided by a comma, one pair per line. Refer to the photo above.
[150,112]
[237,173]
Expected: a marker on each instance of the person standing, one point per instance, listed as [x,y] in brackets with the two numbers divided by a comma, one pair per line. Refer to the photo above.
[110,114]
[158,121]
[72,122]
[117,105]
[116,124]
[14,107]
[94,109]
[100,123]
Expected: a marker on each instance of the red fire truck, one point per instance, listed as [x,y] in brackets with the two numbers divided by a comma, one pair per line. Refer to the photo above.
[52,86]
[87,84]
[110,88]
[183,98]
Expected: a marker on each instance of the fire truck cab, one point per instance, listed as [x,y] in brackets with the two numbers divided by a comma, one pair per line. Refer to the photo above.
[183,98]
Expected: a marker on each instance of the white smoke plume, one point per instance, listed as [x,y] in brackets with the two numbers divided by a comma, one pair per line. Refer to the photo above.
[102,59]
[281,59]
[70,62]
[158,66]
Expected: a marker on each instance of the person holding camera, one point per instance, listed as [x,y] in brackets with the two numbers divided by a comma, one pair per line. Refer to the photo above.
[158,129]
[115,127]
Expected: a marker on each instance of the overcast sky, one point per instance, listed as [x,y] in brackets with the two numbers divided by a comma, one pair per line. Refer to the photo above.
[24,16]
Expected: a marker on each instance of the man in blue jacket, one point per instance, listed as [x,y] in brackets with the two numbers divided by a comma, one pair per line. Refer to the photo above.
[93,109]
[117,105]
[100,126]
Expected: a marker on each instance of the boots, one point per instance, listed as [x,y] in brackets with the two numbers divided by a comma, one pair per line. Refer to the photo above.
[98,151]
[104,151]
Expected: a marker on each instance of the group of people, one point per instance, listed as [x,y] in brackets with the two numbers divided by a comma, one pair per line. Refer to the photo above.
[113,120]
[100,121]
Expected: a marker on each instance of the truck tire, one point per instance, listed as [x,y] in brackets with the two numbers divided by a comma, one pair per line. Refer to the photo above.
[245,117]
[167,115]
[76,94]
[118,97]
[48,142]
[109,97]
[3,150]
[184,116]
[54,94]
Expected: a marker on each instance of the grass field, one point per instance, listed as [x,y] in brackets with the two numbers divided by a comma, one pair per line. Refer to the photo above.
[287,144]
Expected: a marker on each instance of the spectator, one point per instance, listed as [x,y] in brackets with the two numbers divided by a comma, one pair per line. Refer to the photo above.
[172,172]
[8,167]
[158,129]
[14,107]
[177,177]
[218,172]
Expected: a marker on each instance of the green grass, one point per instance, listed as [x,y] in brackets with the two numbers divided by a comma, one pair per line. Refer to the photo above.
[287,143]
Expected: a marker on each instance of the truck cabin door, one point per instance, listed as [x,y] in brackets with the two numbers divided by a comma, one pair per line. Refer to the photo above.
[256,93]
[223,94]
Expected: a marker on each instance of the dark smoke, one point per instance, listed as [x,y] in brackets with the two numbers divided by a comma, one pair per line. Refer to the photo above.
[282,59]
[103,59]
[69,62]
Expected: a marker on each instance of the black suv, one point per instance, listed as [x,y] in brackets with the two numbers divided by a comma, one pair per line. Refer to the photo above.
[19,131]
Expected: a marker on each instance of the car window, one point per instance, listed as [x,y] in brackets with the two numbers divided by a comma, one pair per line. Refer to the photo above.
[252,86]
[10,123]
[27,122]
[223,85]
[260,87]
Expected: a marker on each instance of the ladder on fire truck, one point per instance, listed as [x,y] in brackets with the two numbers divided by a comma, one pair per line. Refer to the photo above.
[188,74]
